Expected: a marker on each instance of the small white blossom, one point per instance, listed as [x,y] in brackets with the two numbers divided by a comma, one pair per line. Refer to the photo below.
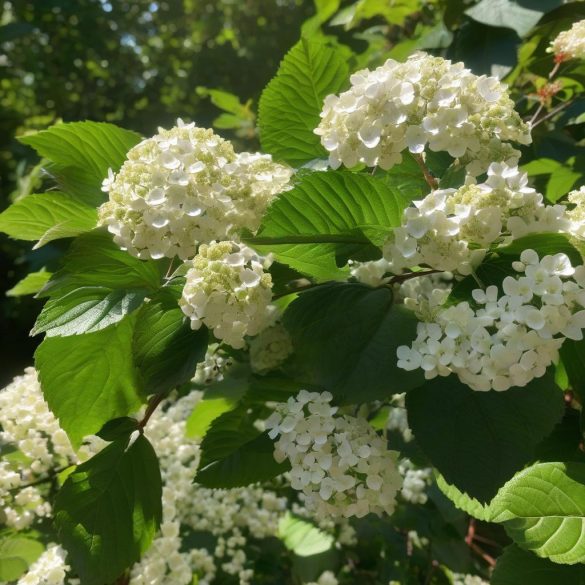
[570,44]
[342,466]
[49,569]
[510,338]
[185,186]
[416,481]
[426,102]
[228,291]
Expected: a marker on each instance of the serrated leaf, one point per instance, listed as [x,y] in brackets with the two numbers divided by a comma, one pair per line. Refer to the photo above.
[89,379]
[543,510]
[235,453]
[291,103]
[46,217]
[478,440]
[327,218]
[302,537]
[82,153]
[345,338]
[93,259]
[166,349]
[31,284]
[108,510]
[516,566]
[87,309]
[464,502]
[17,554]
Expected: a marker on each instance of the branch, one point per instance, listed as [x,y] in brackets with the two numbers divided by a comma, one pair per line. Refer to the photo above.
[431,181]
[400,278]
[153,404]
[554,112]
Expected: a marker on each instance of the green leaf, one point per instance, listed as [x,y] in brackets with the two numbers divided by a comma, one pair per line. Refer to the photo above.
[508,14]
[516,566]
[166,349]
[89,379]
[82,153]
[291,103]
[235,453]
[543,511]
[478,440]
[31,284]
[47,217]
[87,309]
[464,502]
[302,537]
[17,554]
[345,338]
[109,509]
[573,359]
[327,218]
[93,259]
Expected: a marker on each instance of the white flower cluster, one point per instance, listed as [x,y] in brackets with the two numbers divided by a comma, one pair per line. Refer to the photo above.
[398,419]
[424,101]
[185,186]
[450,229]
[270,348]
[576,211]
[570,44]
[49,569]
[340,463]
[326,578]
[29,427]
[416,481]
[509,339]
[228,291]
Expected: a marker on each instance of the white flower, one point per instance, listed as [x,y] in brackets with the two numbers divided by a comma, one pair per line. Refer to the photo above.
[213,366]
[452,229]
[424,102]
[228,291]
[509,339]
[49,569]
[570,44]
[270,348]
[340,464]
[185,186]
[416,481]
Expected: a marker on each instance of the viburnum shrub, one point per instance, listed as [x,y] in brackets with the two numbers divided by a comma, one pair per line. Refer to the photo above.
[355,357]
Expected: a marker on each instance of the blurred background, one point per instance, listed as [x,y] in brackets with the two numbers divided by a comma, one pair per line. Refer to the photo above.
[141,64]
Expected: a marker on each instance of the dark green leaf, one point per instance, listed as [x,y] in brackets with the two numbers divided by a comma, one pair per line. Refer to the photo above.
[291,103]
[82,153]
[345,338]
[520,567]
[89,379]
[166,349]
[478,440]
[109,509]
[543,510]
[47,217]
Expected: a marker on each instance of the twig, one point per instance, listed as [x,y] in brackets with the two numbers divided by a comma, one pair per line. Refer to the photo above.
[554,112]
[40,481]
[402,277]
[152,406]
[431,181]
[487,558]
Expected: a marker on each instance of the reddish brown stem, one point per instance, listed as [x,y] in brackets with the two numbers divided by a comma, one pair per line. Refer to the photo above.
[152,406]
[431,181]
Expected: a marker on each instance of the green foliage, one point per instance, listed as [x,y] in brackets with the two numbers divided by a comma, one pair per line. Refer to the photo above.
[327,218]
[478,440]
[110,508]
[47,217]
[291,103]
[89,379]
[17,553]
[302,537]
[235,453]
[344,335]
[543,510]
[166,349]
[81,154]
[519,566]
[31,284]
